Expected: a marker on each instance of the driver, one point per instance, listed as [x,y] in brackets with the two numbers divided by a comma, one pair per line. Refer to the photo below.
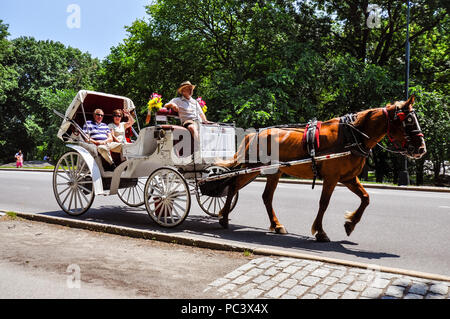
[188,109]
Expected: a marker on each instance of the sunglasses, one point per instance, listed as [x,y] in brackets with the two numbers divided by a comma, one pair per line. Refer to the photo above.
[117,115]
[96,114]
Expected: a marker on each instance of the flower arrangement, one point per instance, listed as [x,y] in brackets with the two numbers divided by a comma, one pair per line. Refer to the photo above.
[202,104]
[155,102]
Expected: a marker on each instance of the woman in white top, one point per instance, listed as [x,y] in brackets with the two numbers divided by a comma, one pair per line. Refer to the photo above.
[118,128]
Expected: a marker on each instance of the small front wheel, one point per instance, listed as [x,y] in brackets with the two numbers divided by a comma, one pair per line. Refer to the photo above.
[167,197]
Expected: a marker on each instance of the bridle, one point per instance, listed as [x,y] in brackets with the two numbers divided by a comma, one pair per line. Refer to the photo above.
[411,128]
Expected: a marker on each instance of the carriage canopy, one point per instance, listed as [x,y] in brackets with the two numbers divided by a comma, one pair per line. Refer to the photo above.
[89,101]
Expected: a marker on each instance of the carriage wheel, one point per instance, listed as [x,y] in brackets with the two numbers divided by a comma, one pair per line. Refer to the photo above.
[213,205]
[167,197]
[72,184]
[133,196]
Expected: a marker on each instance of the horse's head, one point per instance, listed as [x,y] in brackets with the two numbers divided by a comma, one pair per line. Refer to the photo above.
[404,129]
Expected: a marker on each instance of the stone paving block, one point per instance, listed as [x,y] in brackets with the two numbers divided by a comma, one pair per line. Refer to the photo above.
[258,261]
[286,296]
[266,264]
[440,289]
[395,291]
[234,274]
[280,277]
[300,274]
[260,279]
[319,289]
[241,279]
[350,295]
[269,284]
[227,288]
[347,279]
[320,272]
[272,271]
[418,289]
[379,283]
[289,283]
[358,286]
[284,263]
[413,296]
[254,272]
[292,269]
[298,290]
[311,267]
[253,293]
[338,273]
[243,289]
[403,282]
[371,292]
[246,267]
[219,282]
[310,281]
[310,296]
[329,280]
[338,288]
[434,296]
[275,292]
[330,295]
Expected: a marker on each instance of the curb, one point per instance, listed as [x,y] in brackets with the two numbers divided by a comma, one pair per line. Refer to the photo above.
[303,182]
[217,245]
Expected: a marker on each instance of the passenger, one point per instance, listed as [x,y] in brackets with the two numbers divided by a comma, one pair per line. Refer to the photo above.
[189,110]
[100,135]
[118,128]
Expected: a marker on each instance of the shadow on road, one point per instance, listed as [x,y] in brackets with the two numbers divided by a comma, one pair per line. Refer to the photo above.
[208,227]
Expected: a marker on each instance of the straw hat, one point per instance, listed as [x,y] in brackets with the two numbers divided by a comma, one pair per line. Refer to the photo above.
[183,85]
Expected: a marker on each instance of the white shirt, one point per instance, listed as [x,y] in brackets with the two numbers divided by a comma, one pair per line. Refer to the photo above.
[118,131]
[187,109]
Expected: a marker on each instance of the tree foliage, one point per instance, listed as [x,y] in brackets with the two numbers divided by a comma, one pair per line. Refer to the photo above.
[256,63]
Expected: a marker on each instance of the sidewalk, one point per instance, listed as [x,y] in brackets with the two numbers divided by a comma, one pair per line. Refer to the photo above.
[289,278]
[235,272]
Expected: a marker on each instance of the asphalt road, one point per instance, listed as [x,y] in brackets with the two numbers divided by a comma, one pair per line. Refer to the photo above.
[403,229]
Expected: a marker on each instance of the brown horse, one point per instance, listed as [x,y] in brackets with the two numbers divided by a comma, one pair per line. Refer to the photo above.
[397,120]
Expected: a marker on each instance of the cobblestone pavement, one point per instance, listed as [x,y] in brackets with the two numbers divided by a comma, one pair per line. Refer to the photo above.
[288,278]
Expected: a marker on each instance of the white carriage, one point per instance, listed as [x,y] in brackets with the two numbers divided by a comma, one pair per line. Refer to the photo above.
[156,168]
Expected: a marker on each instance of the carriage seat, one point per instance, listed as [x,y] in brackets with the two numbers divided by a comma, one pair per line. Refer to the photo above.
[145,144]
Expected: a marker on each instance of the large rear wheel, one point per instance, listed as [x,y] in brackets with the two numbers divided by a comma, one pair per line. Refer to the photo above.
[72,184]
[167,197]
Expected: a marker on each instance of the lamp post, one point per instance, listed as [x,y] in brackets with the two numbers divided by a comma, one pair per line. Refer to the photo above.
[403,176]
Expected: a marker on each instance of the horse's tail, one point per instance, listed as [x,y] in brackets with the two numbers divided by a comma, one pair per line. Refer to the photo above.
[238,158]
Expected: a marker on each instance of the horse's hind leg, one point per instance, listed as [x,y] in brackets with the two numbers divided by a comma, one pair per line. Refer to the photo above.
[354,217]
[327,190]
[271,185]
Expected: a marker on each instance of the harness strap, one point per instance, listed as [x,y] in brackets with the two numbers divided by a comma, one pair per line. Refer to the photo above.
[311,142]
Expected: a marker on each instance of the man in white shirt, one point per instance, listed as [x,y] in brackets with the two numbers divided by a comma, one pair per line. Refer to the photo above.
[189,110]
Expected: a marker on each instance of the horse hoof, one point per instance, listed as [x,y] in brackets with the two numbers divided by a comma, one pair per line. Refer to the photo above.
[224,223]
[281,230]
[349,227]
[322,238]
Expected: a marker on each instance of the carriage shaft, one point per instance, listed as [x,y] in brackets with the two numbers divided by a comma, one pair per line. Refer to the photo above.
[272,166]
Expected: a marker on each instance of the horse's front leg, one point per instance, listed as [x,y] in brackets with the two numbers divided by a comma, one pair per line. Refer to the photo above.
[235,185]
[327,190]
[225,211]
[354,217]
[271,185]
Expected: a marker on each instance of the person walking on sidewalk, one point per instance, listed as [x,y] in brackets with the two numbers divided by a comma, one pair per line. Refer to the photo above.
[19,159]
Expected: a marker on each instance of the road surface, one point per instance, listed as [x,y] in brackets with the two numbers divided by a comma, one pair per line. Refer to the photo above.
[403,229]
